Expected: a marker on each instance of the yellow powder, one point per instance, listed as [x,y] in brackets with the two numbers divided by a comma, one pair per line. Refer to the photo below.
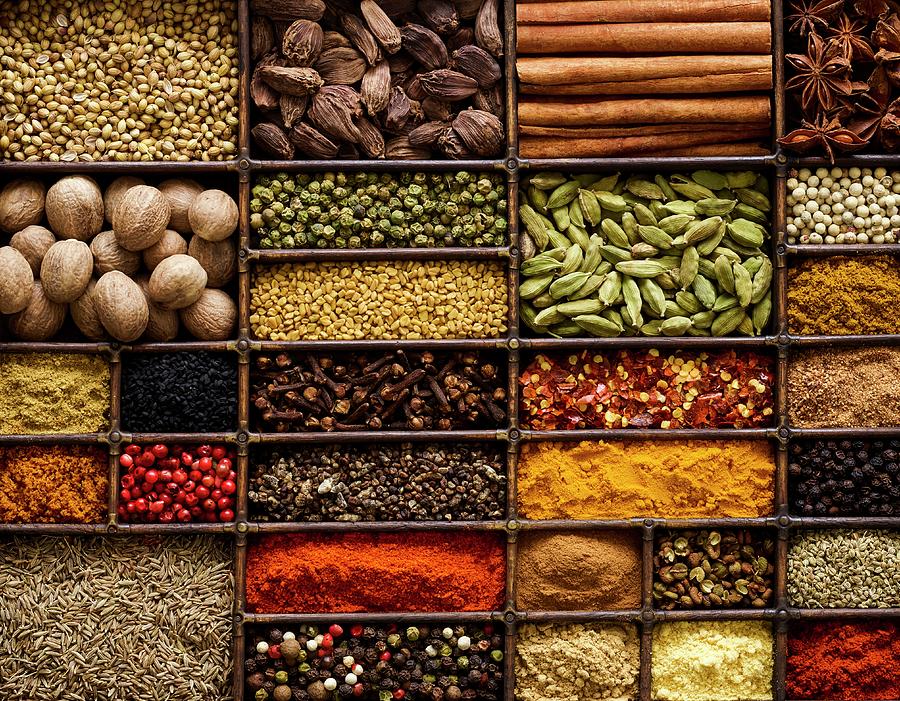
[661,479]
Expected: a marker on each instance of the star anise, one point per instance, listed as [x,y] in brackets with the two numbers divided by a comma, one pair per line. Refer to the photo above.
[812,14]
[822,74]
[887,38]
[870,107]
[890,128]
[850,36]
[825,133]
[870,9]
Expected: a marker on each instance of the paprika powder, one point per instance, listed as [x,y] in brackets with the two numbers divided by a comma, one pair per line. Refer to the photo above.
[847,662]
[347,572]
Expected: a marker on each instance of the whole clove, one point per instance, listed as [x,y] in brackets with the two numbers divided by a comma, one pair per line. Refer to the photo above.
[390,63]
[301,392]
[393,482]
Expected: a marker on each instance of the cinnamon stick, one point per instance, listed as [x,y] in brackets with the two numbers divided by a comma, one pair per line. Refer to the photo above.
[723,83]
[740,148]
[649,38]
[623,11]
[645,130]
[545,147]
[550,112]
[572,70]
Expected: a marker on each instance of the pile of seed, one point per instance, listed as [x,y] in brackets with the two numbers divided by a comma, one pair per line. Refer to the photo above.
[371,210]
[648,255]
[53,393]
[844,569]
[85,618]
[418,663]
[843,205]
[712,661]
[845,478]
[575,661]
[390,482]
[179,393]
[713,569]
[403,299]
[119,80]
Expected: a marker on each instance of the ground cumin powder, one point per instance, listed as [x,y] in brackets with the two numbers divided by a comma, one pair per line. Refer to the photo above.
[53,393]
[579,572]
[842,296]
[844,387]
[662,479]
[52,484]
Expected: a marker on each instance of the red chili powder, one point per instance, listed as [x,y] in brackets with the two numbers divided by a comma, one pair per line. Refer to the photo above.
[311,572]
[849,662]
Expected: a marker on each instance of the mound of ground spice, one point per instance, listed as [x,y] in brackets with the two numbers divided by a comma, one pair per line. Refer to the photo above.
[842,295]
[848,662]
[53,393]
[578,571]
[844,387]
[662,479]
[345,572]
[53,484]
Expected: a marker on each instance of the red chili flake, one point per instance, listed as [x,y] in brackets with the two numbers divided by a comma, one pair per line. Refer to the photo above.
[647,389]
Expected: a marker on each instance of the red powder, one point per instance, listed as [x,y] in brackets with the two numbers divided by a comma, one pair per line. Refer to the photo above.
[850,662]
[311,573]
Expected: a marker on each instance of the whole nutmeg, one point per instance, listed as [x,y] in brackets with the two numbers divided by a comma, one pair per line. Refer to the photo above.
[66,270]
[213,215]
[74,208]
[84,314]
[33,242]
[115,191]
[218,258]
[16,281]
[177,282]
[121,306]
[141,218]
[21,204]
[162,324]
[172,243]
[180,194]
[109,255]
[40,320]
[211,317]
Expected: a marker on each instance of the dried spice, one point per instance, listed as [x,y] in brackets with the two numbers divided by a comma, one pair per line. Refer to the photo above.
[394,390]
[391,482]
[712,661]
[376,662]
[844,387]
[53,393]
[842,295]
[713,569]
[844,661]
[413,571]
[845,478]
[575,662]
[55,484]
[646,389]
[661,479]
[572,571]
[844,569]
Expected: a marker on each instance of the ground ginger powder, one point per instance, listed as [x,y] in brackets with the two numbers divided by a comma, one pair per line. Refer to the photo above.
[661,479]
[843,296]
[53,393]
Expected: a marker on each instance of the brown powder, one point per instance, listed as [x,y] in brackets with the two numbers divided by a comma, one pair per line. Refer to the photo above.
[579,571]
[844,295]
[844,387]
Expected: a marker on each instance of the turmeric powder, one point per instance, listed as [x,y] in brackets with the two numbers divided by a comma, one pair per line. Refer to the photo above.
[53,484]
[661,479]
[844,296]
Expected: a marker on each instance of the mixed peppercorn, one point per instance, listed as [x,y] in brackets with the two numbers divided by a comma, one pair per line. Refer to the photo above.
[376,663]
[163,484]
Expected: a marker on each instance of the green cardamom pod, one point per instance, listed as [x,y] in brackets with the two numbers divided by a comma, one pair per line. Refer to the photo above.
[533,286]
[549,316]
[691,190]
[760,313]
[742,251]
[675,224]
[633,301]
[592,258]
[632,319]
[653,295]
[655,236]
[557,253]
[673,309]
[652,327]
[746,233]
[614,254]
[724,274]
[563,194]
[762,280]
[701,230]
[694,331]
[540,265]
[754,199]
[743,285]
[597,325]
[560,218]
[611,288]
[578,236]
[710,179]
[614,233]
[745,211]
[688,301]
[588,288]
[629,226]
[641,268]
[581,306]
[727,321]
[675,326]
[704,291]
[547,181]
[690,266]
[576,215]
[558,240]
[611,202]
[567,329]
[535,226]
[542,301]
[644,216]
[724,301]
[746,325]
[703,320]
[537,199]
[740,178]
[643,250]
[715,206]
[681,207]
[528,314]
[567,285]
[590,207]
[707,268]
[658,210]
[753,264]
[573,260]
[615,317]
[708,245]
[663,185]
[668,280]
[644,189]
[605,184]
[731,255]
